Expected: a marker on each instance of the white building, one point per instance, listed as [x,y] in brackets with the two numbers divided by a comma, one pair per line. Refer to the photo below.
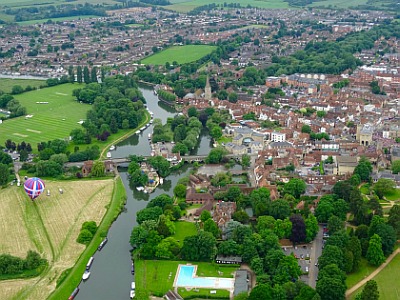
[278,137]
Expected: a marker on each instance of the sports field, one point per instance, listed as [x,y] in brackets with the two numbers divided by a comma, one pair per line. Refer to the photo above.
[49,121]
[50,226]
[180,54]
[338,3]
[6,84]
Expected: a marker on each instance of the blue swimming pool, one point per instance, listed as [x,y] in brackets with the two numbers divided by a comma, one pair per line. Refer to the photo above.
[186,278]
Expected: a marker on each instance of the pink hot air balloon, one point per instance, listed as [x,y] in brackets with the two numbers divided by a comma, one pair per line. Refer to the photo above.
[34,187]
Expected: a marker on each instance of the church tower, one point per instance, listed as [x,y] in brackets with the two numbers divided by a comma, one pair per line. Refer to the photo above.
[207,90]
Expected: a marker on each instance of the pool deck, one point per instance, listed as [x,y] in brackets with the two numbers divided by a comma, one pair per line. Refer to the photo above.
[216,280]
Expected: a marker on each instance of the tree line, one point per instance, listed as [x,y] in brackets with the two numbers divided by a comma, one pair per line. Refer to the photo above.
[12,266]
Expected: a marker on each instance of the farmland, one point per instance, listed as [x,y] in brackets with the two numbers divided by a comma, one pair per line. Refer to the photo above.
[50,226]
[49,121]
[180,54]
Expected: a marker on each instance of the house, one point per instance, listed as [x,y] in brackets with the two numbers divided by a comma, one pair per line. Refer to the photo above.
[223,213]
[346,164]
[242,282]
[236,260]
[194,197]
[87,167]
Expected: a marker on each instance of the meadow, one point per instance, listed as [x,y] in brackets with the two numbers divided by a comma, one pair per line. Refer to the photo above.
[6,84]
[180,54]
[40,21]
[50,226]
[184,229]
[387,281]
[153,277]
[49,121]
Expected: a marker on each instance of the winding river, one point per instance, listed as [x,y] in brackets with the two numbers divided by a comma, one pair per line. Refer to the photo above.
[111,270]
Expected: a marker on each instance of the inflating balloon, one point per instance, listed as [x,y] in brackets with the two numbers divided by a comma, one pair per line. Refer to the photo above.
[34,187]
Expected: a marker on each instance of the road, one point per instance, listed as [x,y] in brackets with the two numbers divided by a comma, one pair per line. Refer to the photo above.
[316,252]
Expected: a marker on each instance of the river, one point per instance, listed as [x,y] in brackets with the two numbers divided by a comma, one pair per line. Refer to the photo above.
[111,269]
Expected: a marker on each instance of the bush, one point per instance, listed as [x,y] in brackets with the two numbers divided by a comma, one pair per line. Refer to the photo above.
[85,236]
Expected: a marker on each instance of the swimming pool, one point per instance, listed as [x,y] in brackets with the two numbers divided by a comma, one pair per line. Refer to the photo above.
[187,278]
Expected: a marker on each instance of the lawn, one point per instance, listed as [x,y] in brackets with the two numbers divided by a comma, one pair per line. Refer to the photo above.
[49,121]
[6,84]
[338,3]
[387,280]
[184,229]
[364,270]
[187,5]
[50,226]
[365,189]
[157,277]
[393,196]
[40,21]
[180,54]
[203,293]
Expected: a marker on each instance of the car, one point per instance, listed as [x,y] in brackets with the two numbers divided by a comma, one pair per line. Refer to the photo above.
[302,256]
[306,269]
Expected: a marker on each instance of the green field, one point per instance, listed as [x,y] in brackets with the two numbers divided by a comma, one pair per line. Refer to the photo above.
[188,5]
[49,121]
[180,54]
[387,280]
[157,277]
[184,229]
[6,84]
[40,21]
[364,270]
[339,3]
[393,196]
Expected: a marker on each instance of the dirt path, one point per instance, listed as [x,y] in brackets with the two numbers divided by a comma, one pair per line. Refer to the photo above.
[372,275]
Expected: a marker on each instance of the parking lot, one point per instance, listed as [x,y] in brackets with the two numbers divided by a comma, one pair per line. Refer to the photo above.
[307,256]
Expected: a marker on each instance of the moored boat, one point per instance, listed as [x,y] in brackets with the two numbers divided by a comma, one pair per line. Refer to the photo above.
[86,275]
[89,264]
[112,148]
[102,244]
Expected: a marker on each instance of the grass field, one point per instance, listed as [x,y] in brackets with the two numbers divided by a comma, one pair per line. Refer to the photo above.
[387,279]
[40,21]
[187,5]
[50,225]
[364,270]
[393,196]
[365,189]
[338,3]
[50,121]
[157,277]
[184,229]
[6,84]
[180,54]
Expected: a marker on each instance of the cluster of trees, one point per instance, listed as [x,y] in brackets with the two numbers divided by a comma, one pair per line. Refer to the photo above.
[87,232]
[23,149]
[166,96]
[117,104]
[375,88]
[12,265]
[5,167]
[59,11]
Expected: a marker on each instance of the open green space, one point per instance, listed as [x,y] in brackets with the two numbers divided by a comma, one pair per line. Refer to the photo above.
[157,277]
[180,54]
[387,281]
[338,3]
[364,270]
[393,196]
[203,293]
[184,229]
[6,84]
[187,5]
[49,121]
[365,189]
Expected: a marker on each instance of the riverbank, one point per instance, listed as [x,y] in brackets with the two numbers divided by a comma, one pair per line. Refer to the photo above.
[74,277]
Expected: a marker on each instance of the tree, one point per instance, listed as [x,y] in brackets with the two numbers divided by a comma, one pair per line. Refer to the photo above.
[233,194]
[180,191]
[84,237]
[288,270]
[334,224]
[161,165]
[241,216]
[370,291]
[331,288]
[295,187]
[162,201]
[152,213]
[396,166]
[168,248]
[246,160]
[232,97]
[394,218]
[280,209]
[61,158]
[384,186]
[363,169]
[215,156]
[86,75]
[298,229]
[216,132]
[261,291]
[388,236]
[4,174]
[200,247]
[228,248]
[192,112]
[48,168]
[311,227]
[205,215]
[78,136]
[331,255]
[79,74]
[212,227]
[375,254]
[306,129]
[354,246]
[98,169]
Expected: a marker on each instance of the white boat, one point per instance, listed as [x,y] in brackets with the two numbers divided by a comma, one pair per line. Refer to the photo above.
[86,275]
[132,294]
[140,188]
[149,136]
[137,131]
[161,180]
[151,121]
[108,155]
[112,148]
[89,264]
[143,128]
[133,285]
